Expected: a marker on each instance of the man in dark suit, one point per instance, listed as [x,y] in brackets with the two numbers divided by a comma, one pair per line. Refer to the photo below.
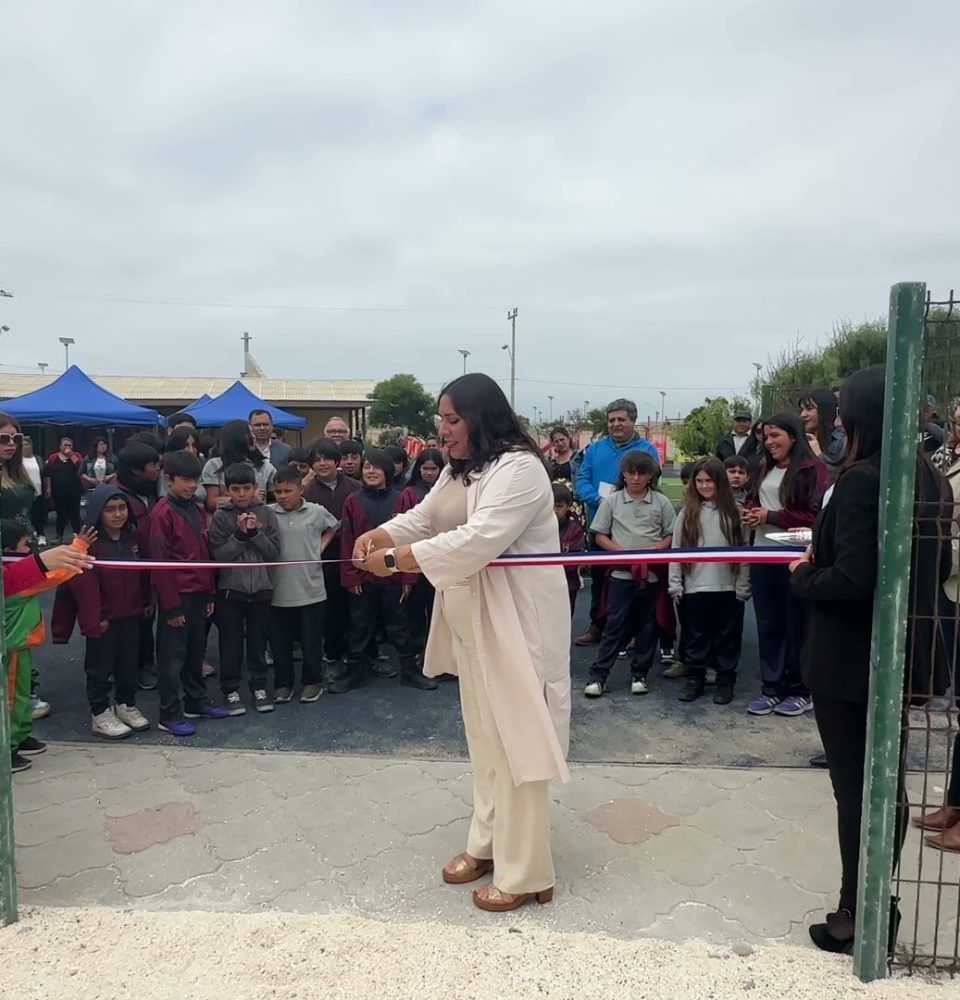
[261,425]
[736,442]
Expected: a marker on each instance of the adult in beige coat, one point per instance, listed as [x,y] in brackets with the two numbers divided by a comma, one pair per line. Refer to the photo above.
[505,631]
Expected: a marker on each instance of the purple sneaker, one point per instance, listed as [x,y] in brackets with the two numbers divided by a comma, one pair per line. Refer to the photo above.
[763,704]
[177,727]
[207,711]
[795,704]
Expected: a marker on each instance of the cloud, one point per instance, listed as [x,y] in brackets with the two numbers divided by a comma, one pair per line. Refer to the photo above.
[667,191]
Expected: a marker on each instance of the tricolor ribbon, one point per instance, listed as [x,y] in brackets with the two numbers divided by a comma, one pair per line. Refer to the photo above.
[781,555]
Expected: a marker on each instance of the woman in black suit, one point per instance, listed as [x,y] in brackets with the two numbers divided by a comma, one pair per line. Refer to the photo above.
[837,577]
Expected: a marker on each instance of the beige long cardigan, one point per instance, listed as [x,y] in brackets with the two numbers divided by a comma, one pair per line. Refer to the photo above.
[521,616]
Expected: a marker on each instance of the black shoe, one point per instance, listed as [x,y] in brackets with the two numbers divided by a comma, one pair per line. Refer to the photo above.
[447,677]
[344,677]
[415,679]
[30,747]
[819,761]
[825,941]
[383,668]
[148,679]
[723,694]
[692,690]
[18,763]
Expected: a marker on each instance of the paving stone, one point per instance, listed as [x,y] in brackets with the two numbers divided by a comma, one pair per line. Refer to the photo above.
[186,757]
[153,870]
[683,792]
[221,771]
[131,768]
[730,778]
[586,791]
[139,795]
[40,826]
[579,849]
[370,834]
[433,807]
[742,825]
[793,796]
[689,856]
[141,830]
[68,855]
[265,876]
[93,887]
[321,895]
[294,781]
[381,786]
[387,883]
[765,903]
[696,920]
[808,860]
[242,836]
[55,789]
[630,821]
[231,801]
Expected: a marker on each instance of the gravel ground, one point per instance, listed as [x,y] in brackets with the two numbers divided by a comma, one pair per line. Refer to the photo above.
[111,954]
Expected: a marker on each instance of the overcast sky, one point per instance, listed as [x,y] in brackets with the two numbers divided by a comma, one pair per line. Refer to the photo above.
[668,191]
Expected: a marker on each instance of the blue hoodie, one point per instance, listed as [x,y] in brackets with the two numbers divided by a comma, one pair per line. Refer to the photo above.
[601,464]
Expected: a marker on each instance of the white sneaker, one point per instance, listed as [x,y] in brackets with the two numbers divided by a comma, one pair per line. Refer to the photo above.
[41,540]
[594,689]
[39,709]
[639,686]
[108,727]
[234,704]
[131,716]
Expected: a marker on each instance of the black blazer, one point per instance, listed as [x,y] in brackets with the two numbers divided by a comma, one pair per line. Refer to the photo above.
[839,587]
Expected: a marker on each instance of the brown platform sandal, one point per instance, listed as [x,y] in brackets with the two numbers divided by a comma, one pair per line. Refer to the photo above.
[497,901]
[938,819]
[463,871]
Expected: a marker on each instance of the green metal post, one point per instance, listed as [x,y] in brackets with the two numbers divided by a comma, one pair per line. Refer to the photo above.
[888,644]
[8,871]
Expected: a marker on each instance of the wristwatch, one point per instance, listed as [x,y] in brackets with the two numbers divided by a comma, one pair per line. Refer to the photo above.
[390,560]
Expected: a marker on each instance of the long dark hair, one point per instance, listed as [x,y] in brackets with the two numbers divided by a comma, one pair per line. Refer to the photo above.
[638,461]
[179,438]
[800,454]
[692,534]
[861,414]
[427,455]
[492,426]
[235,445]
[92,454]
[825,403]
[13,471]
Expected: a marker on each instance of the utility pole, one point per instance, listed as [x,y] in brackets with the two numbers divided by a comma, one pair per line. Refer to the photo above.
[759,393]
[43,366]
[551,408]
[66,341]
[512,317]
[663,423]
[466,354]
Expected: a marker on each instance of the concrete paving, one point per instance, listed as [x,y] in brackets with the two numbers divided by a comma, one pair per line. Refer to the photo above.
[725,855]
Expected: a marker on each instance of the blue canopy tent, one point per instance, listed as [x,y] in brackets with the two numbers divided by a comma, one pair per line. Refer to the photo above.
[74,398]
[202,401]
[236,403]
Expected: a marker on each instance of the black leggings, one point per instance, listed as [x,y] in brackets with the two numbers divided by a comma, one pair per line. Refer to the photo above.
[843,730]
[68,511]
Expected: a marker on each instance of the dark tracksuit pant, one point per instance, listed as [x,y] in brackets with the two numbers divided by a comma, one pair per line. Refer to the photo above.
[337,613]
[180,657]
[843,730]
[243,623]
[379,603]
[419,608]
[110,663]
[712,634]
[288,625]
[780,630]
[624,599]
[598,577]
[68,512]
[38,514]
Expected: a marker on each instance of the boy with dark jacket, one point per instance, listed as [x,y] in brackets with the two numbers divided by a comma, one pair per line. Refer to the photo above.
[572,537]
[373,599]
[177,532]
[109,606]
[244,530]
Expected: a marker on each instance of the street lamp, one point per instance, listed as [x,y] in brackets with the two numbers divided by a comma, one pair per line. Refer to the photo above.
[551,408]
[43,366]
[663,422]
[512,349]
[66,341]
[466,354]
[759,394]
[4,329]
[4,294]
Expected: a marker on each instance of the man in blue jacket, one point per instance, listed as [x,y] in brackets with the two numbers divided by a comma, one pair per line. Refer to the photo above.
[598,473]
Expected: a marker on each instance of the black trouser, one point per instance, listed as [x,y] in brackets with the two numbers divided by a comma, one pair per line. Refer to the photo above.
[180,657]
[239,619]
[780,630]
[712,634]
[379,603]
[598,577]
[843,730]
[622,596]
[110,663]
[573,602]
[337,614]
[419,607]
[68,510]
[147,646]
[287,625]
[38,514]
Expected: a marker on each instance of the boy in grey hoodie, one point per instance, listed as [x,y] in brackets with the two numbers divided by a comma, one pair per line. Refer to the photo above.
[243,530]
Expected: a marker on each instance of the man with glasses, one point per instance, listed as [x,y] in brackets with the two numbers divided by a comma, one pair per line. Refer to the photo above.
[336,429]
[276,451]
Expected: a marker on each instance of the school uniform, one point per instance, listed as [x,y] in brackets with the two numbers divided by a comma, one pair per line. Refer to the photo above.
[139,505]
[632,524]
[299,594]
[572,539]
[419,605]
[712,596]
[177,531]
[243,593]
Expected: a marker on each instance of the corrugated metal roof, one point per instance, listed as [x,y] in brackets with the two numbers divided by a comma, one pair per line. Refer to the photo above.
[177,391]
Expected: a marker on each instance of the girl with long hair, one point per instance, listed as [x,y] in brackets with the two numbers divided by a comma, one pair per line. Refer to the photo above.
[236,445]
[504,630]
[786,493]
[99,466]
[17,490]
[818,414]
[713,594]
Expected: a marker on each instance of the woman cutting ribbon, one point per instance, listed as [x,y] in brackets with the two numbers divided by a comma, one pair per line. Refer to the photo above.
[504,630]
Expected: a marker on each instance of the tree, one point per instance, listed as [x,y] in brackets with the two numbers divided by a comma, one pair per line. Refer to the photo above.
[402,400]
[703,426]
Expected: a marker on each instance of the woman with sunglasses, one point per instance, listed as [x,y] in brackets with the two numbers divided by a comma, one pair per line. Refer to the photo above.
[17,492]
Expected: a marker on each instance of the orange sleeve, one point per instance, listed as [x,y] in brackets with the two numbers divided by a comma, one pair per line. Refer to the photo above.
[57,576]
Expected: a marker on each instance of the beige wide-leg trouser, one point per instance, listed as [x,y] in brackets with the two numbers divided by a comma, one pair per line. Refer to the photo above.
[511,823]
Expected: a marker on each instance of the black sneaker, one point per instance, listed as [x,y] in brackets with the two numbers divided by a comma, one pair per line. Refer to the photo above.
[18,763]
[31,746]
[147,679]
[723,694]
